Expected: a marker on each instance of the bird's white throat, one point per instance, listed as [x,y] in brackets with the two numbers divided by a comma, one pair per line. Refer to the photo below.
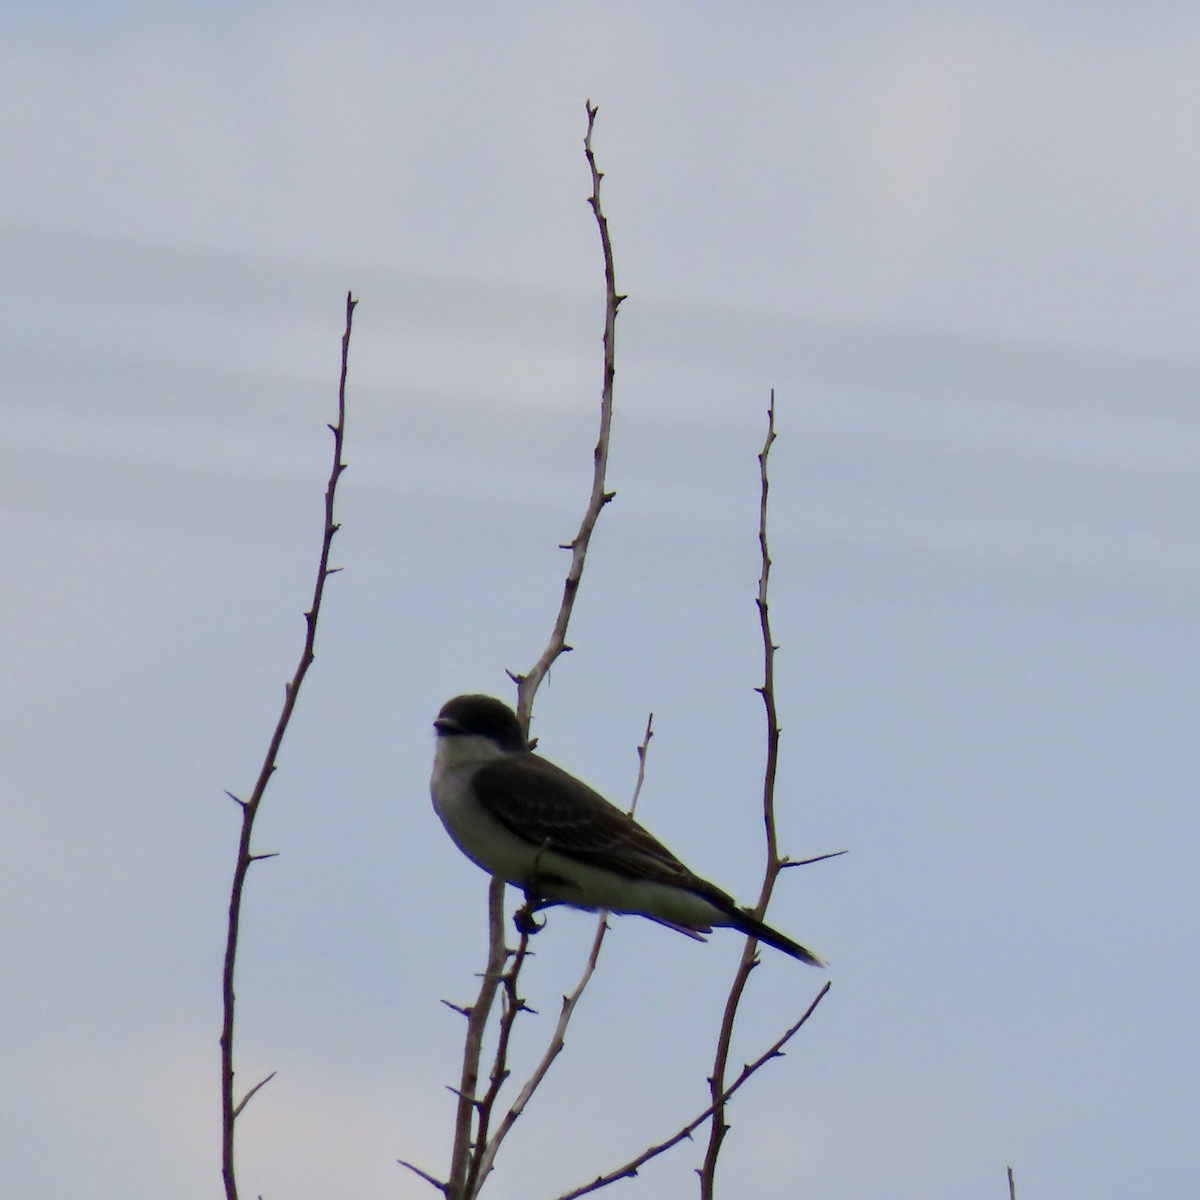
[464,750]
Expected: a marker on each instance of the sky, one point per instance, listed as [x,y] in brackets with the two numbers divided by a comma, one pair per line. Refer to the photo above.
[958,240]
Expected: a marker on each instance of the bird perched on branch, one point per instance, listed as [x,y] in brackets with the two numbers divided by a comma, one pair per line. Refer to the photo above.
[520,817]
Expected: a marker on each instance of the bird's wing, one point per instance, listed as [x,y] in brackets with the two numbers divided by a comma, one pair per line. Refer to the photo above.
[525,793]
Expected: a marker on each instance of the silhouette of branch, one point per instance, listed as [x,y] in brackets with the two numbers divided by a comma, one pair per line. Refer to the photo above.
[474,1152]
[631,1168]
[774,862]
[528,684]
[558,1038]
[249,808]
[480,1162]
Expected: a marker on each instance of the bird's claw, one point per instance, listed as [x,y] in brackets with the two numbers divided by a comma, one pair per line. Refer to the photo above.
[525,920]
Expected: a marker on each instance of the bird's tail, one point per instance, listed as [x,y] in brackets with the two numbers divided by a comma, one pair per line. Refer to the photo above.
[753,927]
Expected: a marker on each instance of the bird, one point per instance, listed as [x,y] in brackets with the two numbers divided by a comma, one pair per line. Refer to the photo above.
[517,815]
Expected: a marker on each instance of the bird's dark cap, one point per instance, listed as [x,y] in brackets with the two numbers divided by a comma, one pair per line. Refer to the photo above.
[481,716]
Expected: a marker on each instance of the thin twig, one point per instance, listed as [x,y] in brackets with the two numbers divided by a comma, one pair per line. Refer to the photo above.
[479,1012]
[642,750]
[468,1169]
[1012,1185]
[528,684]
[249,808]
[774,863]
[511,1005]
[631,1168]
[488,1157]
[558,1039]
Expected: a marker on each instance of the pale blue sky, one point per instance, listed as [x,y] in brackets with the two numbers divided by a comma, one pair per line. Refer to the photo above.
[958,239]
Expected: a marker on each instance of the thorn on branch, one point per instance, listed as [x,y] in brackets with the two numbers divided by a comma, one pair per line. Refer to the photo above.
[247,1097]
[260,857]
[807,862]
[236,799]
[437,1183]
[458,1008]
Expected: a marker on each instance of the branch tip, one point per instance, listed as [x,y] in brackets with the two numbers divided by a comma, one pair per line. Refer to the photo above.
[237,1112]
[245,859]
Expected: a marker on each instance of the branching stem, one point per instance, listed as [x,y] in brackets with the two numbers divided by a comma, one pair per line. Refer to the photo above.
[249,808]
[474,1151]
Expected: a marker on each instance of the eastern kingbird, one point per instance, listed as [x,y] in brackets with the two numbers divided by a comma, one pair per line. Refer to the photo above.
[518,816]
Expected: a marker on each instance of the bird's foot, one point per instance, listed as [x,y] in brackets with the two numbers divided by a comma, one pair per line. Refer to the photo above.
[525,919]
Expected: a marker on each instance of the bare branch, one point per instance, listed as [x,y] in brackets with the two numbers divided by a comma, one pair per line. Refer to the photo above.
[1012,1185]
[512,1004]
[642,750]
[477,1019]
[558,1038]
[474,1152]
[774,863]
[557,1041]
[230,1110]
[528,684]
[631,1168]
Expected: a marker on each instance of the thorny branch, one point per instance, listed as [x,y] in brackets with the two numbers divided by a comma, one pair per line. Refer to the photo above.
[230,1108]
[474,1152]
[528,684]
[631,1168]
[558,1038]
[774,862]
